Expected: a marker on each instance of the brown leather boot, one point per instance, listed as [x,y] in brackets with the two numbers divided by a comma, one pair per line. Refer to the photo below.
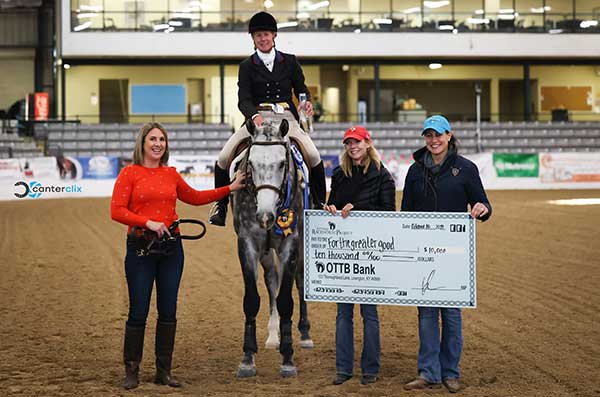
[165,341]
[421,384]
[132,355]
[453,385]
[218,212]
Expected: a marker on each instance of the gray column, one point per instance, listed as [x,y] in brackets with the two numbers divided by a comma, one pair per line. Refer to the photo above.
[222,72]
[377,93]
[526,93]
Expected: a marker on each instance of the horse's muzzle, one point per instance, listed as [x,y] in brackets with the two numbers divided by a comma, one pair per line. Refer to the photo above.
[266,220]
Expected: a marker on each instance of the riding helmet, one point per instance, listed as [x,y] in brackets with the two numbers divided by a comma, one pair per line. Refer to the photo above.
[262,21]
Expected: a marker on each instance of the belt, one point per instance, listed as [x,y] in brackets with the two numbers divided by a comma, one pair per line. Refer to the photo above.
[278,107]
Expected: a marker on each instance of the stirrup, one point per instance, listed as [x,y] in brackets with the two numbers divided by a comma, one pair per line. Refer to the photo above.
[218,214]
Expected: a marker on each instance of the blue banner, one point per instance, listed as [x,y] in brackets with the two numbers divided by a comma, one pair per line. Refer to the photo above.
[99,167]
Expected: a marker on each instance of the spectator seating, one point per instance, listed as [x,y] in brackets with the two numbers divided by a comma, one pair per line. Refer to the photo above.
[119,139]
[12,145]
[75,139]
[501,137]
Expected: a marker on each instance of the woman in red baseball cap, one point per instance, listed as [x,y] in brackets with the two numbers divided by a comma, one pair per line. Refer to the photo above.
[361,183]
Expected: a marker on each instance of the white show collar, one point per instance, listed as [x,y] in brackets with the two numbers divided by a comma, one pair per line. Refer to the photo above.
[268,58]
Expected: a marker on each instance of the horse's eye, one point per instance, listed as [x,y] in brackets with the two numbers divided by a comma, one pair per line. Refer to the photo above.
[281,165]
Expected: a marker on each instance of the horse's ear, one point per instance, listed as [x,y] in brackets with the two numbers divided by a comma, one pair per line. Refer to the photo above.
[284,127]
[250,126]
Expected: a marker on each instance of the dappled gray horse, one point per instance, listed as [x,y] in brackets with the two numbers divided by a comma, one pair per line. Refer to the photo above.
[269,222]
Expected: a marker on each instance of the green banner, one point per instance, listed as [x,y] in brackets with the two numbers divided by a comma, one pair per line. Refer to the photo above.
[516,165]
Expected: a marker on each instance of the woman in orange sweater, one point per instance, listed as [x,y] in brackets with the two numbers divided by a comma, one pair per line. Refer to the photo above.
[144,196]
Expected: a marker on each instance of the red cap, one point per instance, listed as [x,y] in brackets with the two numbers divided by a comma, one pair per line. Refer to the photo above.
[357,132]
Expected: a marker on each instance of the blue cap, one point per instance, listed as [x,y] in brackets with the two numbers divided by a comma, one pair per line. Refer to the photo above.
[437,123]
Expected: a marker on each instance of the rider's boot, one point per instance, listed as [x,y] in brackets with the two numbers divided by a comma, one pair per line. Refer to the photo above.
[318,188]
[218,212]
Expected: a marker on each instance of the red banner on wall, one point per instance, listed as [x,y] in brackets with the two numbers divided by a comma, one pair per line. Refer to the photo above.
[41,105]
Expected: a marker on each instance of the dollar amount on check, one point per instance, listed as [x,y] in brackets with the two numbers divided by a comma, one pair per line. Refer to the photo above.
[394,258]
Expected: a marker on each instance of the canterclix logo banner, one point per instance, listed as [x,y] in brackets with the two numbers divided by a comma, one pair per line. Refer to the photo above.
[35,189]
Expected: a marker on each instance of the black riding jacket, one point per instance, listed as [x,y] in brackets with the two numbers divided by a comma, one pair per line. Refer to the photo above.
[258,85]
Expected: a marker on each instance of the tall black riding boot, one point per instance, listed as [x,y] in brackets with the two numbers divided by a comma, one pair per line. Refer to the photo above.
[318,187]
[165,340]
[132,355]
[218,212]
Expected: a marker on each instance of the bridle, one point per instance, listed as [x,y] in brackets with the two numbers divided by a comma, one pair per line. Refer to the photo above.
[283,188]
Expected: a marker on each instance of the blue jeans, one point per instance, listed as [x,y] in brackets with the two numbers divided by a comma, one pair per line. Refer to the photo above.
[141,273]
[439,359]
[344,339]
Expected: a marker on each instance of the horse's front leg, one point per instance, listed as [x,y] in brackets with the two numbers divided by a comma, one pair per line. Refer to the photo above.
[248,255]
[306,341]
[285,305]
[272,281]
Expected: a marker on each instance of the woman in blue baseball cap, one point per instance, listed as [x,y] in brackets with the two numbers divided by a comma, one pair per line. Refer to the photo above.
[440,180]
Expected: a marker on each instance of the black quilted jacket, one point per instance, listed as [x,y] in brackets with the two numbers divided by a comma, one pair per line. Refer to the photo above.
[375,191]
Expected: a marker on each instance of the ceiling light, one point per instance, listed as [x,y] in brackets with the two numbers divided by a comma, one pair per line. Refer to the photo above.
[506,11]
[479,12]
[161,26]
[434,66]
[284,25]
[87,15]
[446,27]
[345,67]
[382,21]
[555,31]
[66,66]
[175,23]
[436,4]
[357,30]
[90,8]
[83,26]
[506,17]
[268,4]
[303,15]
[412,10]
[478,21]
[588,24]
[318,5]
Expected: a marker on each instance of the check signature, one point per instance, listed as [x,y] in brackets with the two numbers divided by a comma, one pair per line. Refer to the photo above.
[425,284]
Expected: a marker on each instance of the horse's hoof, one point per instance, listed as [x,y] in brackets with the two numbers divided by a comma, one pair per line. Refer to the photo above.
[246,371]
[272,344]
[306,343]
[288,371]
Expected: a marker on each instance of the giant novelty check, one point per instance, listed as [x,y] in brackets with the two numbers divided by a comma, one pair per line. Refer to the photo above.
[394,258]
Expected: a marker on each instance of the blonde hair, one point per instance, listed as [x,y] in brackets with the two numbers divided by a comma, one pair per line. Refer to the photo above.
[138,151]
[372,155]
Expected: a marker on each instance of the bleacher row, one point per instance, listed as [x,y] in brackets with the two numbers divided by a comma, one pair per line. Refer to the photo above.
[73,139]
[11,145]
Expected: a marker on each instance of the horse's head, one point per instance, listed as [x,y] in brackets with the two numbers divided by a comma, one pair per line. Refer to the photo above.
[267,166]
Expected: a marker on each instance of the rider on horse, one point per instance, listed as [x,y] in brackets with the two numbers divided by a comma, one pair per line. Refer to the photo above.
[266,80]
